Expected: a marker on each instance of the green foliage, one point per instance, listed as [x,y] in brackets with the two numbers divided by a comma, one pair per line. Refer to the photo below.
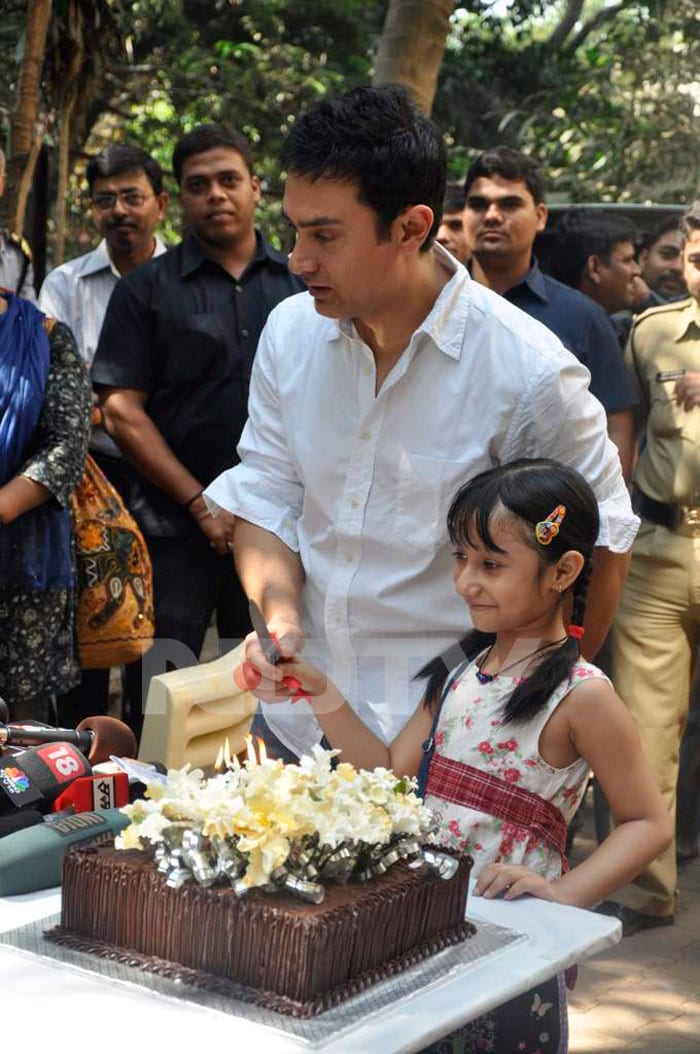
[615,118]
[252,64]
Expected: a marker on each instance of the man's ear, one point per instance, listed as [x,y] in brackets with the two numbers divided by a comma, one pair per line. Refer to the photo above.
[163,198]
[592,269]
[542,214]
[414,225]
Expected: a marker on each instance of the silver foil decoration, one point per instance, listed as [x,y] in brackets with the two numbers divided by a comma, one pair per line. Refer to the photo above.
[186,854]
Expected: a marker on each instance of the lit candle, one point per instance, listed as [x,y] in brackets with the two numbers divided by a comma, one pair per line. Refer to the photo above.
[218,764]
[262,753]
[250,751]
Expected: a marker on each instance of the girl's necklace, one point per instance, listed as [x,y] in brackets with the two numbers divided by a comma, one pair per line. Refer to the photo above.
[486,678]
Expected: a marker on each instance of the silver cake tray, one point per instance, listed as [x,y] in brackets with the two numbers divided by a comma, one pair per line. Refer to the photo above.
[488,940]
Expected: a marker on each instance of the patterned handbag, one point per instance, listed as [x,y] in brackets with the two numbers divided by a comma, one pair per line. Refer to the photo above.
[116,622]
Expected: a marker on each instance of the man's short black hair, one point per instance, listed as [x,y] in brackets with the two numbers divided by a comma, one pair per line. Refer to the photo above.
[378,139]
[665,226]
[507,163]
[208,137]
[454,198]
[120,158]
[580,234]
[690,221]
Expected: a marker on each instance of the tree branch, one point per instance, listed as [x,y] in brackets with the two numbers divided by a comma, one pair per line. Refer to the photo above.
[568,20]
[606,14]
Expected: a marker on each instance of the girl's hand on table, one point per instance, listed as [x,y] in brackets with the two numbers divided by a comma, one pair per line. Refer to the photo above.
[512,880]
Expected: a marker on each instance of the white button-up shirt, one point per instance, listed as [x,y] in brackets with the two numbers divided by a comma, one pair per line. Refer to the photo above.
[359,483]
[78,292]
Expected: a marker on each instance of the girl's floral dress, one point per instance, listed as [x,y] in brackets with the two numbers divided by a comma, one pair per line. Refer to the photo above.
[471,730]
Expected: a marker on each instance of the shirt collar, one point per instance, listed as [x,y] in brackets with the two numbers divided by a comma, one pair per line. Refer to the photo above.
[193,257]
[444,323]
[100,260]
[534,281]
[688,316]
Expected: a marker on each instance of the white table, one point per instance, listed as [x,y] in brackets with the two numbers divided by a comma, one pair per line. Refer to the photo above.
[57,1009]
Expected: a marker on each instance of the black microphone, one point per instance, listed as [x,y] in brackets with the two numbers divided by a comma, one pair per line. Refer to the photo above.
[20,820]
[4,711]
[96,737]
[33,778]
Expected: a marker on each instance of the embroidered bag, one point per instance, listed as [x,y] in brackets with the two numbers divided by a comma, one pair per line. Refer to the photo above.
[116,622]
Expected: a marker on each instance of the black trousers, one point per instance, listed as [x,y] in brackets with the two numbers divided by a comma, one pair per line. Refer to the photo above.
[190,584]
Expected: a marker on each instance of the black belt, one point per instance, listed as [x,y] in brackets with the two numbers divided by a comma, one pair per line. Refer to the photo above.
[665,514]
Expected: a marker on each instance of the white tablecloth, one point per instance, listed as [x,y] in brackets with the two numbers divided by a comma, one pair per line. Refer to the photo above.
[55,1009]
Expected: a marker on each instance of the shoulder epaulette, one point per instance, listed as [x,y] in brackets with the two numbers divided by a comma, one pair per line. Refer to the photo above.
[661,309]
[21,243]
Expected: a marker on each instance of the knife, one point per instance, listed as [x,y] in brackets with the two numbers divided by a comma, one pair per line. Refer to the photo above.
[271,650]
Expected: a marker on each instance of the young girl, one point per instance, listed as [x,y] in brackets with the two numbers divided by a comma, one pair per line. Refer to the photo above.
[506,740]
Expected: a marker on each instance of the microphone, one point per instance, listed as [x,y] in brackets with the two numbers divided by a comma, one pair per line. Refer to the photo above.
[32,859]
[33,778]
[4,711]
[99,791]
[96,737]
[20,820]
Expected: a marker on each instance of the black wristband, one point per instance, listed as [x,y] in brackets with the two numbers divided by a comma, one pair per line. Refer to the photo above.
[193,499]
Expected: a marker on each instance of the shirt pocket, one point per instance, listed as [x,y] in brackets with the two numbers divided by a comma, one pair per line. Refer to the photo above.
[426,486]
[669,419]
[194,348]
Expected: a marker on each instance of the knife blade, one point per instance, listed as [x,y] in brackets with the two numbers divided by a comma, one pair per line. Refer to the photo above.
[267,642]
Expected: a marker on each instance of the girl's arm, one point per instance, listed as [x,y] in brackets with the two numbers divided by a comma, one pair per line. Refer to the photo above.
[345,731]
[602,731]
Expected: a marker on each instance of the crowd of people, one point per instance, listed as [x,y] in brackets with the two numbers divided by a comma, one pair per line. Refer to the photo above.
[405,414]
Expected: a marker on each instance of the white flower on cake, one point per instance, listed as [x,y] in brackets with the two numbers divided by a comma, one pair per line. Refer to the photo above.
[264,823]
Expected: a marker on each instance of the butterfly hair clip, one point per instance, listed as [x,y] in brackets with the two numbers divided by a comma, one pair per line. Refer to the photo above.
[547,530]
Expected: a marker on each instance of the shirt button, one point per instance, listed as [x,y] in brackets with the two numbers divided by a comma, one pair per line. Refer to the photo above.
[239,288]
[366,435]
[245,333]
[349,557]
[368,370]
[353,503]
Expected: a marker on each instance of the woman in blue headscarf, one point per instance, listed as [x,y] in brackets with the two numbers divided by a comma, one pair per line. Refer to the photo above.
[44,427]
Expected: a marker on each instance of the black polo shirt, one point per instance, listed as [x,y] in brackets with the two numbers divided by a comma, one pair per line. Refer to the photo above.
[182,329]
[584,328]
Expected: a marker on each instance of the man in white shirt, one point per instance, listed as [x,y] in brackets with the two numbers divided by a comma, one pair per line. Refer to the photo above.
[376,394]
[128,201]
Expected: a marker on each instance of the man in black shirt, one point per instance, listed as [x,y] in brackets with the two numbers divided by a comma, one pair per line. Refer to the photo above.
[172,368]
[504,211]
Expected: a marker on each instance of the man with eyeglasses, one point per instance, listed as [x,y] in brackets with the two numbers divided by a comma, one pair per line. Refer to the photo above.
[173,368]
[127,201]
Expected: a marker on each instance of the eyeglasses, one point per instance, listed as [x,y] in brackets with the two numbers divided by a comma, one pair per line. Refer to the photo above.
[133,199]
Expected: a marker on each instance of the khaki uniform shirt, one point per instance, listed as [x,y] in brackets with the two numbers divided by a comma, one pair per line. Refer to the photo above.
[662,340]
[16,272]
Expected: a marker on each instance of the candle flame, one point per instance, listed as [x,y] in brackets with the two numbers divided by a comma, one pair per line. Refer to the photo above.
[255,751]
[227,753]
[250,750]
[219,763]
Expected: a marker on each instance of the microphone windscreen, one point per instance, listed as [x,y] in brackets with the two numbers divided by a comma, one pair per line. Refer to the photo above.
[32,778]
[17,822]
[110,737]
[32,859]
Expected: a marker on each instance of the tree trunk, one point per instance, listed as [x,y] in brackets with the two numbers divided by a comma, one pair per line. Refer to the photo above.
[23,136]
[412,45]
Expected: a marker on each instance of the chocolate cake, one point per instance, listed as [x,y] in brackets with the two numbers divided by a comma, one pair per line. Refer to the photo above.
[269,948]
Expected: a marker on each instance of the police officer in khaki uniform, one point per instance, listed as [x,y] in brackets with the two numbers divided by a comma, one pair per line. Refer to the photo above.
[16,272]
[657,628]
